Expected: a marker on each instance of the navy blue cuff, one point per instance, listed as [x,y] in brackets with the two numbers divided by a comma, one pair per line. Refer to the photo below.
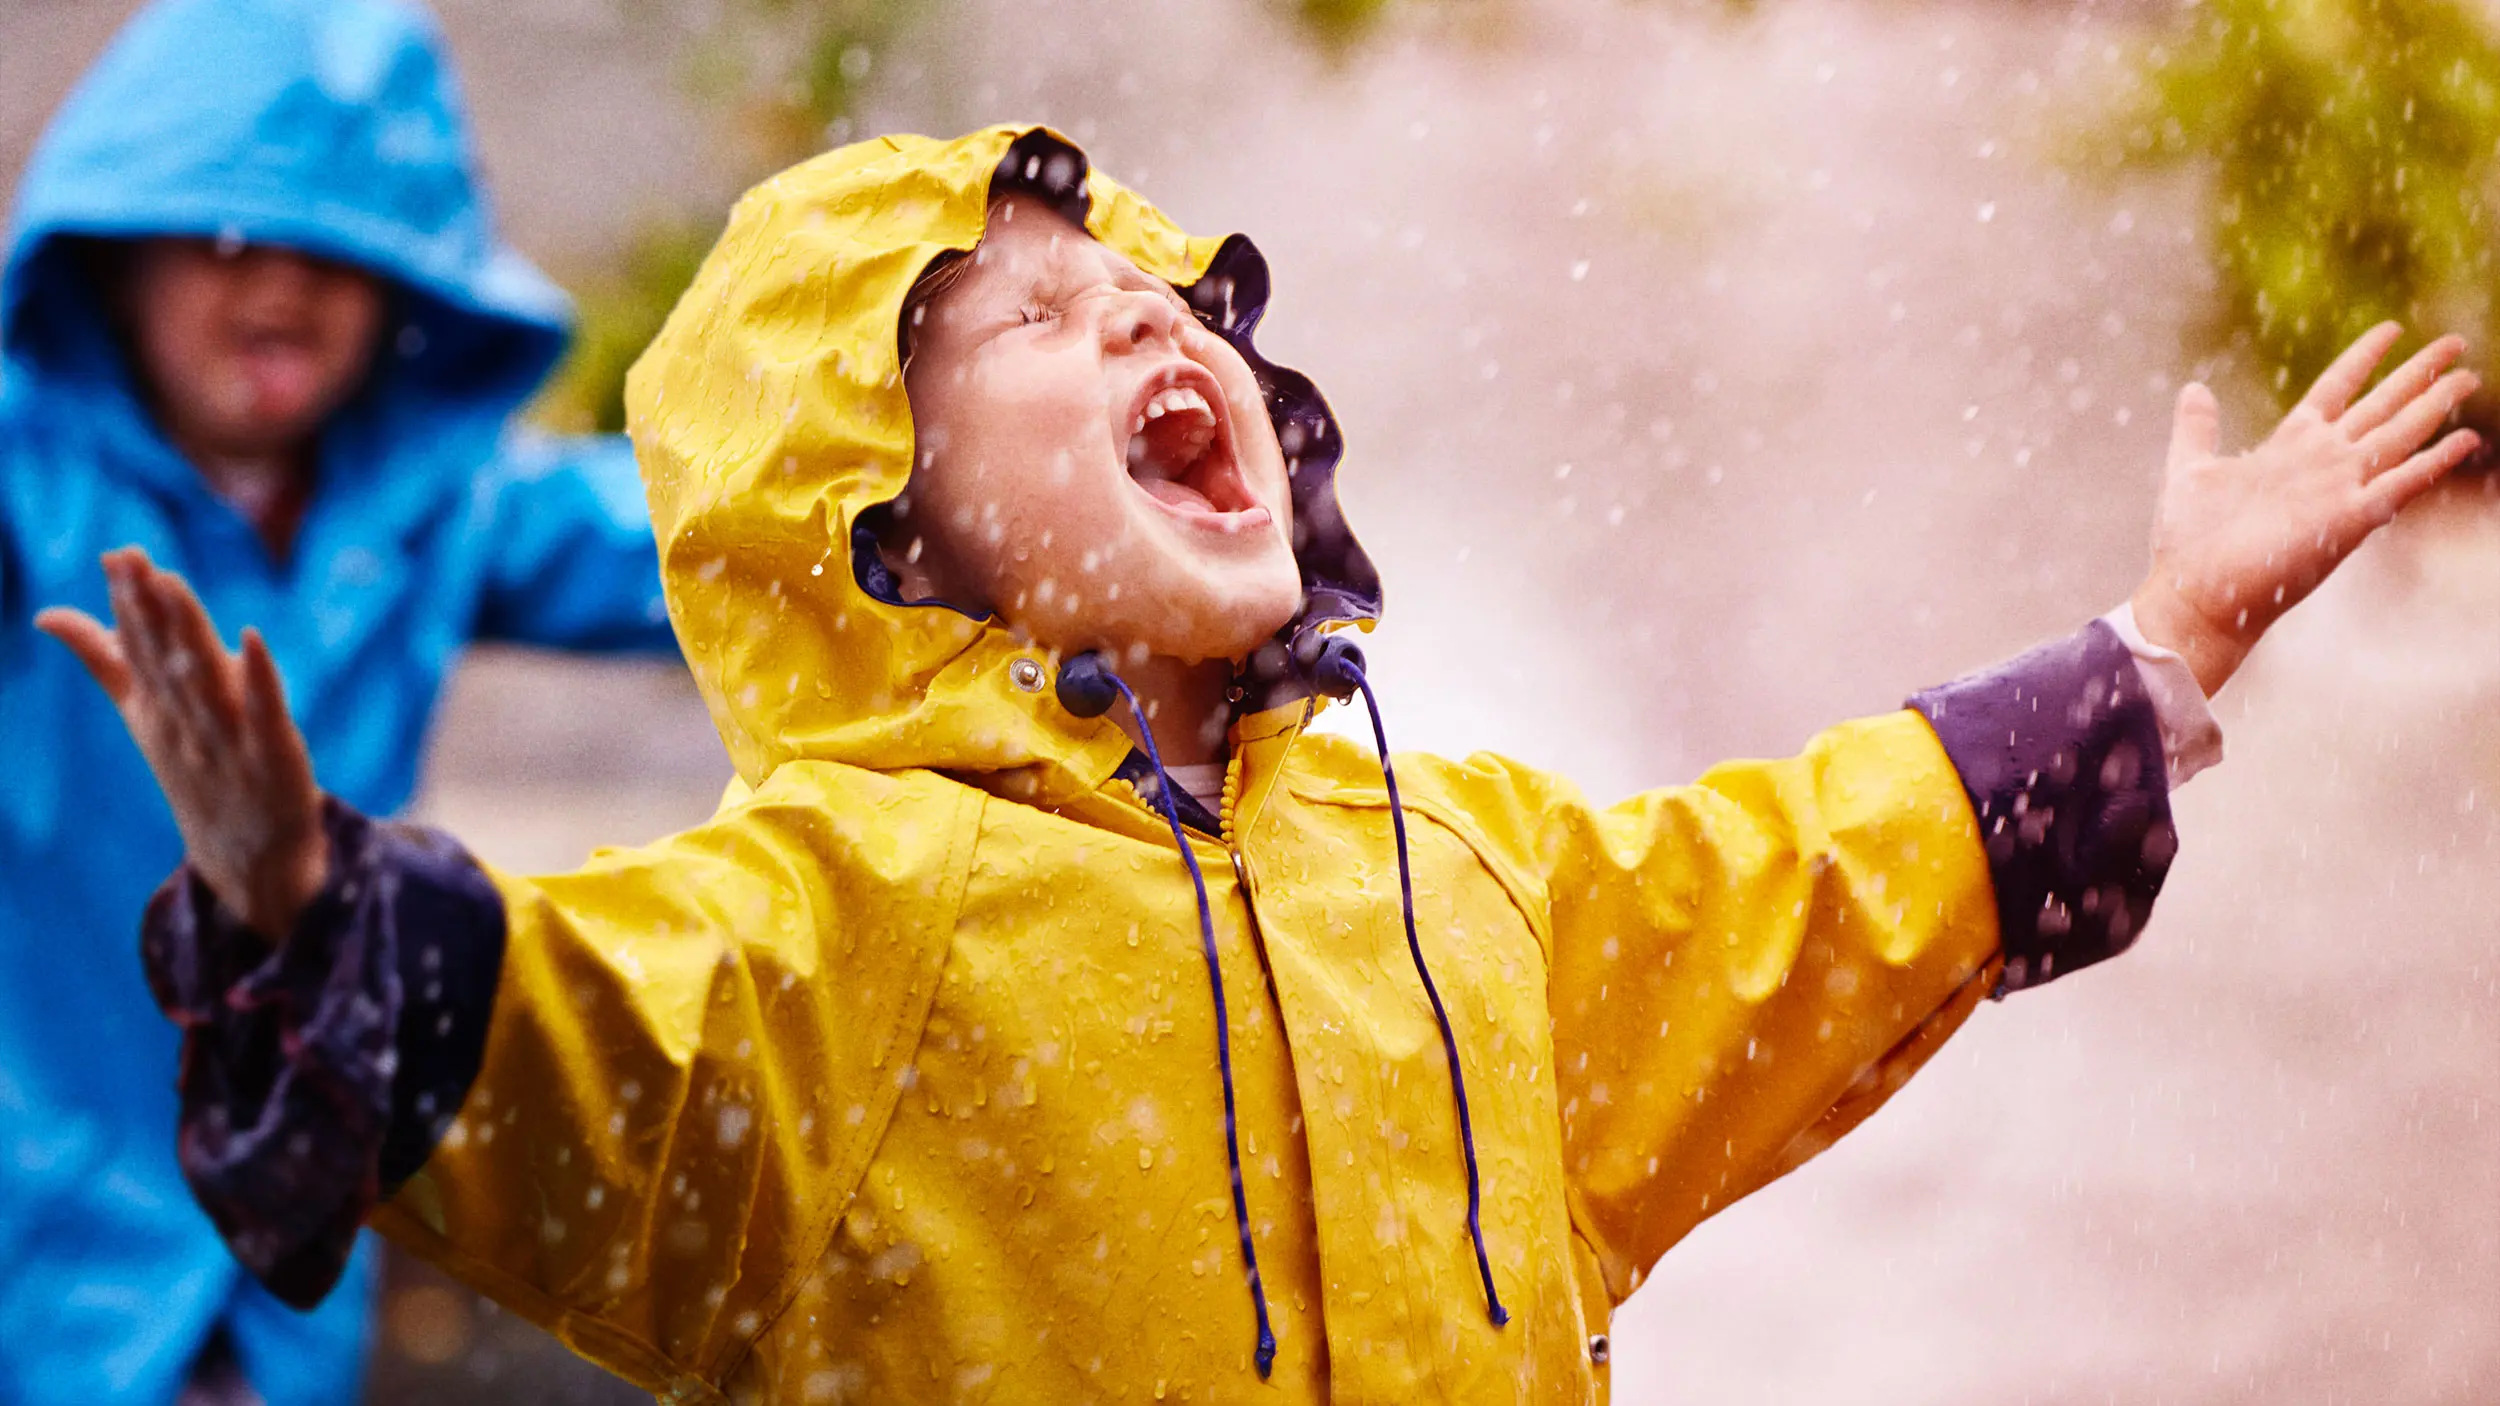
[2060,752]
[317,1077]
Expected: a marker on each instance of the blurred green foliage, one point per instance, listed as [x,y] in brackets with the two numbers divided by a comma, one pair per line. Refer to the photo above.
[2351,145]
[1335,24]
[619,315]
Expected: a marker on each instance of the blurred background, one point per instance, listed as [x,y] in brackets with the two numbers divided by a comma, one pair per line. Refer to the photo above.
[1713,370]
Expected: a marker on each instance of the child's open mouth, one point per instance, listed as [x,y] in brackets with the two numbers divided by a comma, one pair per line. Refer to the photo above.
[1179,450]
[282,371]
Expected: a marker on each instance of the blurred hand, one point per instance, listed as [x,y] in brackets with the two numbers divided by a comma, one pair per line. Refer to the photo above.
[214,727]
[2239,540]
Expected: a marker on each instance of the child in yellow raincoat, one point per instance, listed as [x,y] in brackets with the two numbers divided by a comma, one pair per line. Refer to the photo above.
[1048,1013]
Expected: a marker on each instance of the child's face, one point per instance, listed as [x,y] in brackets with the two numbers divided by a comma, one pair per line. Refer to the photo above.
[1095,465]
[245,352]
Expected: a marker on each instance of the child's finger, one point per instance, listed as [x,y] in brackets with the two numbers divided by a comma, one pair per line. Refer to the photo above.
[153,643]
[2195,426]
[2417,421]
[2341,381]
[128,568]
[2387,494]
[271,728]
[137,616]
[210,672]
[2420,371]
[95,645]
[166,607]
[264,693]
[140,642]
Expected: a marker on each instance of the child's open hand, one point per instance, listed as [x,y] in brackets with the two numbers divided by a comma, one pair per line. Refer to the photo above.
[2239,540]
[215,728]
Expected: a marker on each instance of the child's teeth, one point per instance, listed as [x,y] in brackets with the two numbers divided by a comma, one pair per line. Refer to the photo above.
[1173,402]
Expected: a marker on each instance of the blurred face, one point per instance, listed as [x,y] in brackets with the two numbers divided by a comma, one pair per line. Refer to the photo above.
[244,352]
[1095,466]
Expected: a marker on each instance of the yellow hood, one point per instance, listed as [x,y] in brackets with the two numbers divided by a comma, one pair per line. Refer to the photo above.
[770,415]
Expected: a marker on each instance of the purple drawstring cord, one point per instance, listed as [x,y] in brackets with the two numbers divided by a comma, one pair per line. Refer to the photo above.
[1086,686]
[1340,666]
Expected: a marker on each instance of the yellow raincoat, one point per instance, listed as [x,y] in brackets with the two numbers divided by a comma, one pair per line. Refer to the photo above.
[897,1079]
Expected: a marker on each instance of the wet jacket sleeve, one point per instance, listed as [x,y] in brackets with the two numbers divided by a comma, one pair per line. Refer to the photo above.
[691,1051]
[695,1047]
[315,1078]
[571,561]
[1744,968]
[2060,752]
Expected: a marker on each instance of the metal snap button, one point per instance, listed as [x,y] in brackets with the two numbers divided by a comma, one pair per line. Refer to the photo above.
[1600,1350]
[1026,674]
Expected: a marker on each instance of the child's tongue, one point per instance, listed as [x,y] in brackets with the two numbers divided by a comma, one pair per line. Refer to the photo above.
[1178,494]
[281,379]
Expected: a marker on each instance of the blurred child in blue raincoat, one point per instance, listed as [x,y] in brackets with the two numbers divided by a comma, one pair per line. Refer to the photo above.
[256,317]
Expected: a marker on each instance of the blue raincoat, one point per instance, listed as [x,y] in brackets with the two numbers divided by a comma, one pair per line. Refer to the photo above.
[333,126]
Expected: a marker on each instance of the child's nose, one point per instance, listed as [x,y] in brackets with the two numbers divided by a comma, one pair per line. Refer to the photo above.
[285,274]
[1136,320]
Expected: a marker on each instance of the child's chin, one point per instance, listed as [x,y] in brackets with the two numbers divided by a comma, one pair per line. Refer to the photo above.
[1174,606]
[1245,603]
[1187,626]
[1239,629]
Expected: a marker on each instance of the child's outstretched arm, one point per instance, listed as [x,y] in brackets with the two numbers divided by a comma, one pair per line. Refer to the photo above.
[570,560]
[317,1066]
[627,1102]
[1744,968]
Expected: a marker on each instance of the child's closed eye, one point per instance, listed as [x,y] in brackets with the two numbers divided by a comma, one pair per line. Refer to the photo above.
[1032,313]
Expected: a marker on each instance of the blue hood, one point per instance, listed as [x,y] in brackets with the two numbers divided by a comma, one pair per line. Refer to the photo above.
[331,126]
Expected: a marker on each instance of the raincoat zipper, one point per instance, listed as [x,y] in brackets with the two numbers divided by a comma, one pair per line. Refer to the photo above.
[1242,871]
